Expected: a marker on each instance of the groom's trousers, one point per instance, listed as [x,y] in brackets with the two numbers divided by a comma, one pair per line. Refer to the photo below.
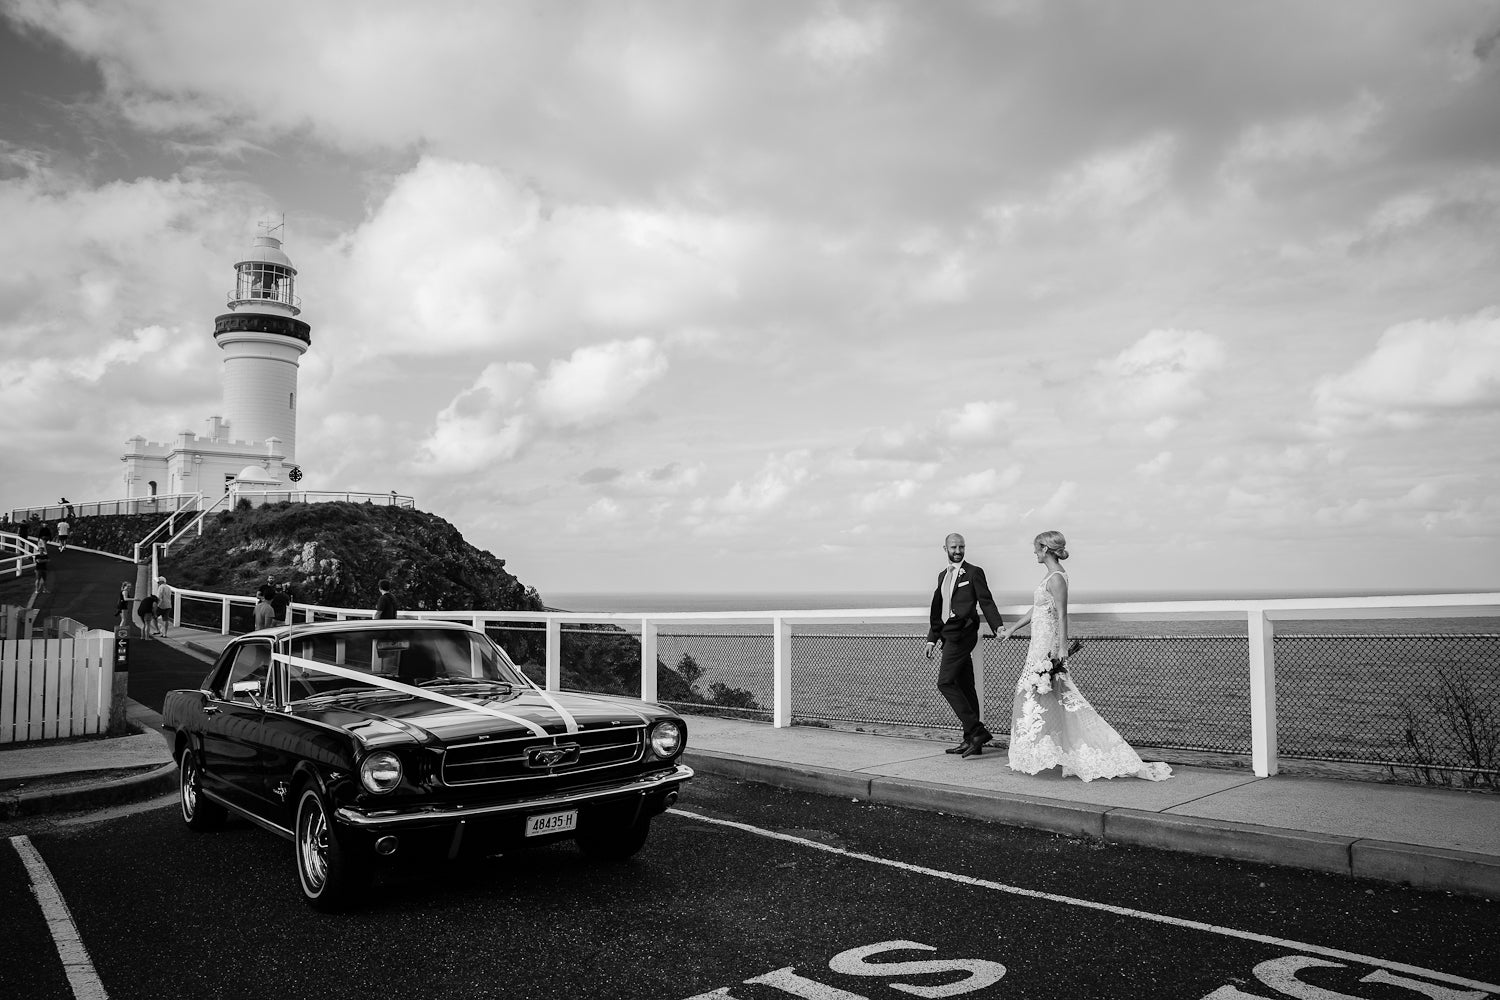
[956,677]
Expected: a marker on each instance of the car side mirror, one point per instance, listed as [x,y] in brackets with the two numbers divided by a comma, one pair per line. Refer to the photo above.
[250,688]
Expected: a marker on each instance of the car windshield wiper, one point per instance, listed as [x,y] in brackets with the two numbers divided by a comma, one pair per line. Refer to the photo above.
[476,682]
[356,689]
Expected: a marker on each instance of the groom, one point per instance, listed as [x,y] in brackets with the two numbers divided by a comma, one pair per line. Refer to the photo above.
[962,593]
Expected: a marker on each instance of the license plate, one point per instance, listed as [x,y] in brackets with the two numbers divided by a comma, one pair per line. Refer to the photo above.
[540,826]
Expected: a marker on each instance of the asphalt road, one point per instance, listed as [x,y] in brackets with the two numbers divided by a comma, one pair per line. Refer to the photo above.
[803,896]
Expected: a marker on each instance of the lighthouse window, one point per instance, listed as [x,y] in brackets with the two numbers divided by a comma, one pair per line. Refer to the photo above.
[291,401]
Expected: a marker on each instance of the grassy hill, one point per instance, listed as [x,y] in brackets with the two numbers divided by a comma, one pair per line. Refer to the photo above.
[335,553]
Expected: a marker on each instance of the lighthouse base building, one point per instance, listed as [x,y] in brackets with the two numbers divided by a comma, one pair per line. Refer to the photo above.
[253,442]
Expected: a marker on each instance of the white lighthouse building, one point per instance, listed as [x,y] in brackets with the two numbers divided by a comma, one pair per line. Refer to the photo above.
[253,440]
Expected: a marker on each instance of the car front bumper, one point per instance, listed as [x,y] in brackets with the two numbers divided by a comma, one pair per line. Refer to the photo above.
[643,786]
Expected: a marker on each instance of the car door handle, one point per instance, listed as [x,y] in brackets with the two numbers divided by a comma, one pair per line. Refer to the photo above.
[210,709]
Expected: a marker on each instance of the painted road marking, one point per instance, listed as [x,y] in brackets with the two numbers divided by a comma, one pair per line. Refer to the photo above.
[75,958]
[1090,904]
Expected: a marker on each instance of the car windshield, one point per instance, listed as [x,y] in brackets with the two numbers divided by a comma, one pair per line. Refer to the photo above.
[424,657]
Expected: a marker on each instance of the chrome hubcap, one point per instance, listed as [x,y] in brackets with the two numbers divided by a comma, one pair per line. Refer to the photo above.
[312,846]
[189,786]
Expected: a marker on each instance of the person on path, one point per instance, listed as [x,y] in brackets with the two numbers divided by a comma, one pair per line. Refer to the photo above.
[265,613]
[63,529]
[163,604]
[39,569]
[146,613]
[962,595]
[123,608]
[385,607]
[279,600]
[1052,723]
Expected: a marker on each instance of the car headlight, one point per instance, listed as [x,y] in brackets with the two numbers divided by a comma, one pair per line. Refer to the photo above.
[666,738]
[381,771]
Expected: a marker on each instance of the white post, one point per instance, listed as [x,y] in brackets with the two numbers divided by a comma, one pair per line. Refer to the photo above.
[554,655]
[1262,634]
[781,673]
[224,616]
[648,660]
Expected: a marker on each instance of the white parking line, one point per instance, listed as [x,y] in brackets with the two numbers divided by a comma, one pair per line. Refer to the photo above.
[75,958]
[1123,911]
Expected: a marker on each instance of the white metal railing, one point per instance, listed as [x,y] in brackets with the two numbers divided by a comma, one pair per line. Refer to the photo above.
[259,498]
[1260,618]
[23,551]
[125,505]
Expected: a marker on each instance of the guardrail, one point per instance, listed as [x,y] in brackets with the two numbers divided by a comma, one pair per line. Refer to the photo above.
[259,498]
[24,553]
[125,505]
[1213,685]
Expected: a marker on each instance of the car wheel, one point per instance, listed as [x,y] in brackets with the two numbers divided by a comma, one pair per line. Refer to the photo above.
[332,877]
[197,811]
[615,842]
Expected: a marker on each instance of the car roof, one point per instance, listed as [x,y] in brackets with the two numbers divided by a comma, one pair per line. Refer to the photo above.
[281,632]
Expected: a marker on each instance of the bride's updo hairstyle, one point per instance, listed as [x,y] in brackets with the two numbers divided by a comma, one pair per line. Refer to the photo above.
[1054,543]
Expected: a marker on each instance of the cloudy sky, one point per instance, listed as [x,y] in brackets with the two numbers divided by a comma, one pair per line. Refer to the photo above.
[770,295]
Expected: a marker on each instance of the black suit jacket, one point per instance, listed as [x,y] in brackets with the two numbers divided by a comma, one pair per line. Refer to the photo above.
[971,596]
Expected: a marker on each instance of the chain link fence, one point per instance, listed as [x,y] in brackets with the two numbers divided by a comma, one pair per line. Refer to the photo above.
[1422,703]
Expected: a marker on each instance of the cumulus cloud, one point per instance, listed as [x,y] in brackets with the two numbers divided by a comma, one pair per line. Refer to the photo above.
[596,383]
[836,41]
[1156,465]
[1337,135]
[974,422]
[1418,372]
[1159,377]
[510,404]
[462,256]
[886,495]
[767,489]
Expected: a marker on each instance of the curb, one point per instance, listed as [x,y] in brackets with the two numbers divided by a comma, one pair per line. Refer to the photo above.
[1421,867]
[91,795]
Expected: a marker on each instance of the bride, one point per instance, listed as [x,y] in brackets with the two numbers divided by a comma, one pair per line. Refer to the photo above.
[1052,722]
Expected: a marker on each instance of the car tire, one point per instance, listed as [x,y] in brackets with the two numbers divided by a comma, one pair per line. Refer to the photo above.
[332,877]
[197,811]
[615,842]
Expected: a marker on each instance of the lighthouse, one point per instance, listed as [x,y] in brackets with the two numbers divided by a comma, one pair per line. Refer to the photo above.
[253,438]
[263,343]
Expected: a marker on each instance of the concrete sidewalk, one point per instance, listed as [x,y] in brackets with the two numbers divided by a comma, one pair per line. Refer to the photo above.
[1431,838]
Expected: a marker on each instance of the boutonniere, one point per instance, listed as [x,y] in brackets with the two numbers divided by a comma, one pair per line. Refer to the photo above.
[961,571]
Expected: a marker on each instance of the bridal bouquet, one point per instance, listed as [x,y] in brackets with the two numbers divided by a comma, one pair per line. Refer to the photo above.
[1046,673]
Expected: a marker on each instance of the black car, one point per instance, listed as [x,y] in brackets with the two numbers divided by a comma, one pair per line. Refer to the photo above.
[372,743]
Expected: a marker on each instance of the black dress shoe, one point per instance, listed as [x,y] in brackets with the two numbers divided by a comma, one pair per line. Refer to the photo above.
[983,737]
[958,749]
[974,749]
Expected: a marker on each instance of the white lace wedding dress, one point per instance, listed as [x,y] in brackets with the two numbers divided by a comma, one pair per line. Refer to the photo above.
[1052,722]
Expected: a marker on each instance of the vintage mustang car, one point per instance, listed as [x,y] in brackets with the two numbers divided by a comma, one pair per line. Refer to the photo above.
[369,743]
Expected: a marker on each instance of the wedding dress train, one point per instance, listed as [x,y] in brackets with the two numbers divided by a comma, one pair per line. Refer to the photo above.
[1053,724]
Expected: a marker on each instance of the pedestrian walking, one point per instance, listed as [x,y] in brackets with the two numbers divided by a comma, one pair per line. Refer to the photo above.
[44,534]
[63,529]
[279,600]
[163,603]
[123,608]
[385,607]
[265,614]
[39,569]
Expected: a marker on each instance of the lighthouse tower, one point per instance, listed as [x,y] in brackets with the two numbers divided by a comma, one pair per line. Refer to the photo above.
[253,439]
[263,343]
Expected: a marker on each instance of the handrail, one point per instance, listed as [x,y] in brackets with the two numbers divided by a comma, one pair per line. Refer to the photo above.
[54,511]
[1260,617]
[165,526]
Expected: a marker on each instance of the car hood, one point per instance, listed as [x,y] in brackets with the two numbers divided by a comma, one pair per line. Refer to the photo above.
[382,718]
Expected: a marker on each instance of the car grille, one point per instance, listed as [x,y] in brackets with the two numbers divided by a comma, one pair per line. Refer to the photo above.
[516,759]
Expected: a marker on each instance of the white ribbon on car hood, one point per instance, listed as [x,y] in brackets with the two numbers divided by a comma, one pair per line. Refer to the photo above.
[376,680]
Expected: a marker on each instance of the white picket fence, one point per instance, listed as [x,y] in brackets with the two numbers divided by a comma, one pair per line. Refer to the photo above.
[56,688]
